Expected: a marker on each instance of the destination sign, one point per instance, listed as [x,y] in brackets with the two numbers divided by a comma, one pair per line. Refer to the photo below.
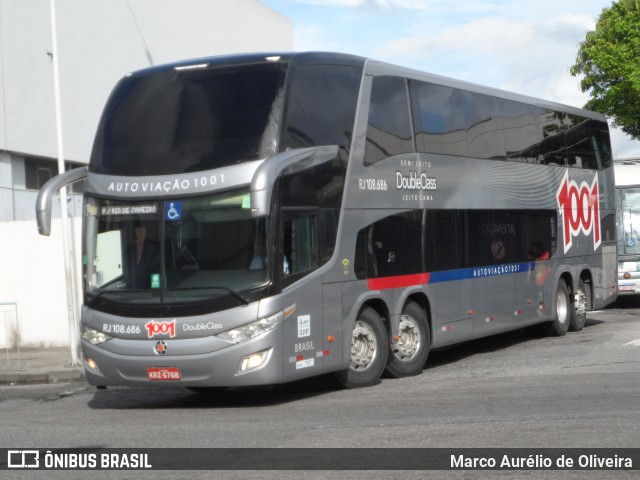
[137,209]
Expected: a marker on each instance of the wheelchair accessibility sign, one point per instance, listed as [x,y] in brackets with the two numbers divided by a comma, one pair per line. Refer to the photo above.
[173,211]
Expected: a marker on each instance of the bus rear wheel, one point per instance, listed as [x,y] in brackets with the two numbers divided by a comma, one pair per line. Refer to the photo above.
[560,325]
[581,306]
[369,350]
[408,355]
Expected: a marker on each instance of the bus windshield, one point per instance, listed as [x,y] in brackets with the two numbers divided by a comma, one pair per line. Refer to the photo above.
[629,240]
[190,119]
[174,251]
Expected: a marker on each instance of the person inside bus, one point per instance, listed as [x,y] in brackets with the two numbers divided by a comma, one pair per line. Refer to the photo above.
[259,261]
[144,258]
[538,253]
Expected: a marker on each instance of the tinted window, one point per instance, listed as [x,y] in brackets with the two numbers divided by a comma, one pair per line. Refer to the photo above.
[451,121]
[445,236]
[578,143]
[484,127]
[494,238]
[522,133]
[397,245]
[509,236]
[390,247]
[601,145]
[318,186]
[438,119]
[573,141]
[307,241]
[322,106]
[189,120]
[389,128]
[436,240]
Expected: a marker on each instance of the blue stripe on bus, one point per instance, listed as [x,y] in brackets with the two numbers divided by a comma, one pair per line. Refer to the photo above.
[400,281]
[481,272]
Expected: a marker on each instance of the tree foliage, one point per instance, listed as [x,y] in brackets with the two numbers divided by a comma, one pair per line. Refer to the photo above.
[609,60]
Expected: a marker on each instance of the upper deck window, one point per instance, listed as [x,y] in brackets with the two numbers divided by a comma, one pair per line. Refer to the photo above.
[322,106]
[456,122]
[389,128]
[189,120]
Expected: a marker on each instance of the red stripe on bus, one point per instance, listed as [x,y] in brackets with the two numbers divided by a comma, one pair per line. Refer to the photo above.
[400,281]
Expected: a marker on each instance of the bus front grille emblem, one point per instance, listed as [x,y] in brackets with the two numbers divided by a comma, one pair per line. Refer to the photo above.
[160,348]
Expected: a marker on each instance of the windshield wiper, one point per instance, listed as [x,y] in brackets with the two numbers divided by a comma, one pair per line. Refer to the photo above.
[96,296]
[236,295]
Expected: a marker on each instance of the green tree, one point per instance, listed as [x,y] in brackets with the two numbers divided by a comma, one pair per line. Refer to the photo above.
[609,60]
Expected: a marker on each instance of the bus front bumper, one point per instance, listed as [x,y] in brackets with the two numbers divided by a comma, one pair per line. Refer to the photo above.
[258,361]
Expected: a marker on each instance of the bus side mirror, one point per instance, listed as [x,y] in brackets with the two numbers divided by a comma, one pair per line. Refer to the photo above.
[43,201]
[288,162]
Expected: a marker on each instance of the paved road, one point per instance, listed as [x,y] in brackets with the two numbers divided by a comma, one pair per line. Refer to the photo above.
[513,390]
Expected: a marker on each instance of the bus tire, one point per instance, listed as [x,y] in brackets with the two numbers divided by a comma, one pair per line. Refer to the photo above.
[408,355]
[369,351]
[581,307]
[560,325]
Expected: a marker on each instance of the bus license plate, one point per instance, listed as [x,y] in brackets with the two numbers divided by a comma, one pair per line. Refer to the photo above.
[163,374]
[627,288]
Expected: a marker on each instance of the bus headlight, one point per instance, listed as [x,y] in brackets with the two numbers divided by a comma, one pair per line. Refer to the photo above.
[95,337]
[255,361]
[251,330]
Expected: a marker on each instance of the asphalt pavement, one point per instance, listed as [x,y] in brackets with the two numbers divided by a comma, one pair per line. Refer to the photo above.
[38,365]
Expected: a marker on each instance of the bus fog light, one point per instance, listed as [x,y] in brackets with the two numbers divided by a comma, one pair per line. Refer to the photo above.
[91,363]
[95,337]
[254,361]
[253,329]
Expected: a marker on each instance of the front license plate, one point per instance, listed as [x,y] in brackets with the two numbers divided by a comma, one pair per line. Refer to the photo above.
[627,288]
[163,374]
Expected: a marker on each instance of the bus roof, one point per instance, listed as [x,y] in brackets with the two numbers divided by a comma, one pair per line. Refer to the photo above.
[251,58]
[372,67]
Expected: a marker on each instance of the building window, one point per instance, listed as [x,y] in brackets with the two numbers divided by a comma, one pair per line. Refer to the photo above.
[38,171]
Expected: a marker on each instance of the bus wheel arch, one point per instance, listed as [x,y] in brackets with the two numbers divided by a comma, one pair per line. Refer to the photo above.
[369,347]
[409,350]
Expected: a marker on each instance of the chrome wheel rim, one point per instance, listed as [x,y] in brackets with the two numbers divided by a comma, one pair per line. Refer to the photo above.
[581,303]
[561,307]
[408,344]
[364,346]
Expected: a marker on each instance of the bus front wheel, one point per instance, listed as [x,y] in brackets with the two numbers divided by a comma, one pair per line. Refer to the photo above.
[369,350]
[409,353]
[560,325]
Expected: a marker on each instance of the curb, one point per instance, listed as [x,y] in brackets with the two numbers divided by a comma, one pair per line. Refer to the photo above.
[53,376]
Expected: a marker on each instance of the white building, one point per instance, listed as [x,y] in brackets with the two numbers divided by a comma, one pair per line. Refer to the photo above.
[98,42]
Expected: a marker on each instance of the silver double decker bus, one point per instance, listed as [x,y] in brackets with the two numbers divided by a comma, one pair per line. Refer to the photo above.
[262,218]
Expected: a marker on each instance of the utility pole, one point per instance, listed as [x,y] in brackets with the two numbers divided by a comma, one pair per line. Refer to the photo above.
[66,238]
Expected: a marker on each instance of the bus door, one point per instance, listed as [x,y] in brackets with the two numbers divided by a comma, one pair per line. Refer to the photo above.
[299,257]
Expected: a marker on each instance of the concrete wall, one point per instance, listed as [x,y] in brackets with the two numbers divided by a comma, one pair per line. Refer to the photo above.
[32,275]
